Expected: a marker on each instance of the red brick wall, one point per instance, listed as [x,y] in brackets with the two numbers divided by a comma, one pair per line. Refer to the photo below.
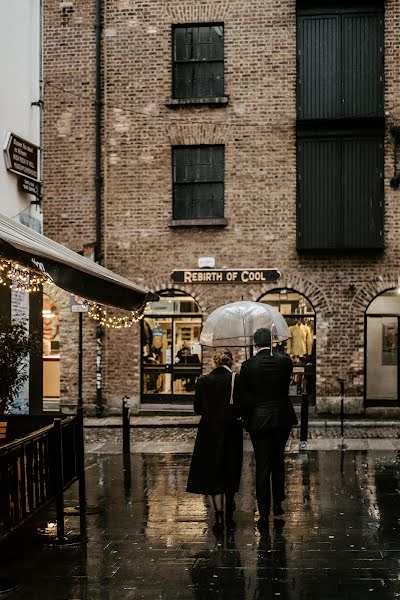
[258,130]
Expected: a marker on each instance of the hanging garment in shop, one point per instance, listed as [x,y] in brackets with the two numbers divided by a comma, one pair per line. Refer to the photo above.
[301,341]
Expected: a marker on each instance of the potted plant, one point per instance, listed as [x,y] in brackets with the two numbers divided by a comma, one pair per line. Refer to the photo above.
[15,346]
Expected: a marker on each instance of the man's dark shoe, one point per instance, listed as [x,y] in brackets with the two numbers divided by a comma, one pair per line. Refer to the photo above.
[262,524]
[278,510]
[218,526]
[230,509]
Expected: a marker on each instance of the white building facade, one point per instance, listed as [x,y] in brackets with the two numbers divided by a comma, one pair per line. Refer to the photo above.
[20,106]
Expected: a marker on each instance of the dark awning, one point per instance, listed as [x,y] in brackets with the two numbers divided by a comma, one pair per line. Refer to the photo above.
[67,269]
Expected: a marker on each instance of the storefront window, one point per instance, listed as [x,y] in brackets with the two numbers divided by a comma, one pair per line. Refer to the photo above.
[300,317]
[382,357]
[171,353]
[51,354]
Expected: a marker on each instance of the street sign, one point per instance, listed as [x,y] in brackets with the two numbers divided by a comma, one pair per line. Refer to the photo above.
[78,304]
[226,276]
[21,156]
[30,186]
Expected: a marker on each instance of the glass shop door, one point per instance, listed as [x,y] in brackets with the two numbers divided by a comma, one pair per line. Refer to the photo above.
[171,358]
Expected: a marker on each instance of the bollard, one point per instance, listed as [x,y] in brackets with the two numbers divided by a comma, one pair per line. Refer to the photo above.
[303,422]
[342,381]
[126,444]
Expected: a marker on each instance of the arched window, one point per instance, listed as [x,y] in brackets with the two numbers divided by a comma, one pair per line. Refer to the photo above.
[382,321]
[171,353]
[300,317]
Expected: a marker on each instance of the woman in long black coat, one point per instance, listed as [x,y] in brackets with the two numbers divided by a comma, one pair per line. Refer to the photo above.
[218,452]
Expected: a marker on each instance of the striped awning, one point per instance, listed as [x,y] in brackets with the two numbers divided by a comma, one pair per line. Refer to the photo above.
[67,269]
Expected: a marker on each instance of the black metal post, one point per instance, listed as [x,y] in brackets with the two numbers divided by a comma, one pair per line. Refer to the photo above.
[126,444]
[304,421]
[80,362]
[59,479]
[342,382]
[81,459]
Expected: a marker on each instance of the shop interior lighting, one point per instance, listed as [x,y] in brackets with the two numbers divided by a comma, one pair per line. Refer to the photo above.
[14,275]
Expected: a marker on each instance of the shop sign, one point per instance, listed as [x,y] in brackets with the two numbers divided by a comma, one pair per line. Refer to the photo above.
[226,276]
[22,157]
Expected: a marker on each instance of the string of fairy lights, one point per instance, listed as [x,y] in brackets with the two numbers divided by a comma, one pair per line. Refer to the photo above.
[100,314]
[14,275]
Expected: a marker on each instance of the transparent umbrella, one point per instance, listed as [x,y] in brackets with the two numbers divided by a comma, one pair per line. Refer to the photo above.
[234,324]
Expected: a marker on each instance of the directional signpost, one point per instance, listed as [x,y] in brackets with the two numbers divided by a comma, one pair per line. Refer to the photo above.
[22,158]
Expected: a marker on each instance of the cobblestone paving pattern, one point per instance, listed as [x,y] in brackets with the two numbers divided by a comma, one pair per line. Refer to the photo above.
[339,538]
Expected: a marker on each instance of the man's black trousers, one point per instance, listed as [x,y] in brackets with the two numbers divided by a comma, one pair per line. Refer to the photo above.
[269,450]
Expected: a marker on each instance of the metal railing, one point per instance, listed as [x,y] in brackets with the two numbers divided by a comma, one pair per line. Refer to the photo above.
[38,468]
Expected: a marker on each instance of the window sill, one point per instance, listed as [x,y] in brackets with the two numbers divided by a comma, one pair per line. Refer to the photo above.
[181,102]
[198,223]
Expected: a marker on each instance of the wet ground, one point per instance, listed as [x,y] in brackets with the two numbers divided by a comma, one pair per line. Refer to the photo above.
[339,538]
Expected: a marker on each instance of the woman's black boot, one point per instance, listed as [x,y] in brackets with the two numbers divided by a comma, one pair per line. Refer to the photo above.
[218,526]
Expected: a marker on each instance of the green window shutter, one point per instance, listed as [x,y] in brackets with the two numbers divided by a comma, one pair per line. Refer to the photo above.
[362,185]
[318,67]
[318,202]
[363,69]
[340,192]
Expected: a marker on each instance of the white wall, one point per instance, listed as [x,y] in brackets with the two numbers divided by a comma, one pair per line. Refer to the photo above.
[20,50]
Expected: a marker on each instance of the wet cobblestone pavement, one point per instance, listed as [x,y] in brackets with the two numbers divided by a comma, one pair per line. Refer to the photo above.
[339,538]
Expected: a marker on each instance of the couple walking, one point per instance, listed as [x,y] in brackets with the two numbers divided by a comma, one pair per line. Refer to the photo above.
[258,397]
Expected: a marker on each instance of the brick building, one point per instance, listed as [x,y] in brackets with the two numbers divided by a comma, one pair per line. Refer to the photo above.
[257,133]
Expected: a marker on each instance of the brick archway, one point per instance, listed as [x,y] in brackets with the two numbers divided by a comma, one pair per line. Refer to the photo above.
[159,285]
[364,296]
[307,288]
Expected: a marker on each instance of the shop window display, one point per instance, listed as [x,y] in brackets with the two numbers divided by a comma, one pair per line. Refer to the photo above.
[300,317]
[382,324]
[171,353]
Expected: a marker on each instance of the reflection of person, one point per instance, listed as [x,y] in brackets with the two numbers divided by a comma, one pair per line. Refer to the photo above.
[272,560]
[218,453]
[269,416]
[219,572]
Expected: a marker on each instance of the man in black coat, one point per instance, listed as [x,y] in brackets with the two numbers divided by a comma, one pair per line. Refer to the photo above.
[268,417]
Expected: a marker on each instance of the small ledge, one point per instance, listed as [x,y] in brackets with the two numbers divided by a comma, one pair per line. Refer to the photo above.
[182,102]
[198,223]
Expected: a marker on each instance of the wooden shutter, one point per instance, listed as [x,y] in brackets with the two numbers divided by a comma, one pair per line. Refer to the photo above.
[362,192]
[318,92]
[362,65]
[318,202]
[340,193]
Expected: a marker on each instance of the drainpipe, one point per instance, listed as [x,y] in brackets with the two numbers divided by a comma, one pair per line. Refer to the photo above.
[98,182]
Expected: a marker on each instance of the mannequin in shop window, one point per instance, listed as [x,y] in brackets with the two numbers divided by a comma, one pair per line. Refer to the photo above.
[185,357]
[301,341]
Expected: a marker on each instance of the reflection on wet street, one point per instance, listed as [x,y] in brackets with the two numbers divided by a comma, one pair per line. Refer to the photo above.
[339,538]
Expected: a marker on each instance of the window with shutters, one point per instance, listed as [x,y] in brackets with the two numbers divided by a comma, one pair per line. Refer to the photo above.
[340,191]
[198,61]
[340,61]
[340,124]
[198,182]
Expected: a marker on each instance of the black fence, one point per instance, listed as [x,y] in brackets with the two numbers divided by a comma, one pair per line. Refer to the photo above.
[37,468]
